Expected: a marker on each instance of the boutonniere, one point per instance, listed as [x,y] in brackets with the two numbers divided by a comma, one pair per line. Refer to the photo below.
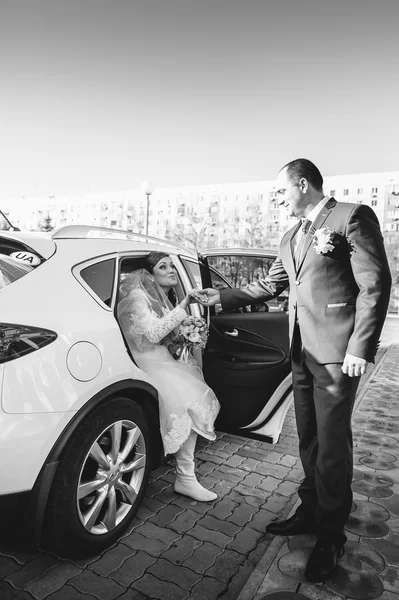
[322,240]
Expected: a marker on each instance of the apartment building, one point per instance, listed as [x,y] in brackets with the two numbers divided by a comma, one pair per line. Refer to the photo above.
[237,214]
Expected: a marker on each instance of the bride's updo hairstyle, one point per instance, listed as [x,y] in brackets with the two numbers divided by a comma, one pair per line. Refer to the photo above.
[150,261]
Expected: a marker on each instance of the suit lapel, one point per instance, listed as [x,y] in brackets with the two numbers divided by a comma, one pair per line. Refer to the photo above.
[317,224]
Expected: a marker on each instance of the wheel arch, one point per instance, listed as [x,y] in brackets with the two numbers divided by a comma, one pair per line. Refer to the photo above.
[144,394]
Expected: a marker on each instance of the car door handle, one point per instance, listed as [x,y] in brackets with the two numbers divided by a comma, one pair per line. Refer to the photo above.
[232,333]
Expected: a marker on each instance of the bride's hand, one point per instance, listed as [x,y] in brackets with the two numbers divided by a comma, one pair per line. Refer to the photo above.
[189,299]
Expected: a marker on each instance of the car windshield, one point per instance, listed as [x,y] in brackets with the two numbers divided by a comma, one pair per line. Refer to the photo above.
[11,270]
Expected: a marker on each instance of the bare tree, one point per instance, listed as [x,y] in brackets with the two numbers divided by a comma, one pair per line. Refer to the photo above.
[196,232]
[255,228]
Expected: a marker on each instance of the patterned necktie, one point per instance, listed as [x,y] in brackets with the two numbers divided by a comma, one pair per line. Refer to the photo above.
[300,240]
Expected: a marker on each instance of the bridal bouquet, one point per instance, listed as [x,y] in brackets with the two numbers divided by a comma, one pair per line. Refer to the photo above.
[191,334]
[194,331]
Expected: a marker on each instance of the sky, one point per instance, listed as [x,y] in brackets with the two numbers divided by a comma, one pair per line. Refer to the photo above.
[100,95]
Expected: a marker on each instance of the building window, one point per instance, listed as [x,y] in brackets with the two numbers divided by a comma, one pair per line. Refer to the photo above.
[332,192]
[346,192]
[374,190]
[374,203]
[359,191]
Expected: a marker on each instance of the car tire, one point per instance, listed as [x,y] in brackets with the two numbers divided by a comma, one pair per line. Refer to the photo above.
[100,481]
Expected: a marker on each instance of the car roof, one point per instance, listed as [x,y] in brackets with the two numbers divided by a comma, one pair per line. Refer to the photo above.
[83,242]
[91,241]
[92,231]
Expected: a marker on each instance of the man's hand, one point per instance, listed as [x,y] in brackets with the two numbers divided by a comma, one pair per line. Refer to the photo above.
[208,297]
[354,366]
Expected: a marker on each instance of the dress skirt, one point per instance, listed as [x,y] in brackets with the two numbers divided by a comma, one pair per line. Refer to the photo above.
[186,402]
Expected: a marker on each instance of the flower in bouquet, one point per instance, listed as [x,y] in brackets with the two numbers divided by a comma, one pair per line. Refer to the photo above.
[193,332]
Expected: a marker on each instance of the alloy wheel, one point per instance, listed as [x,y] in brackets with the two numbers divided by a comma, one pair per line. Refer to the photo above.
[111,477]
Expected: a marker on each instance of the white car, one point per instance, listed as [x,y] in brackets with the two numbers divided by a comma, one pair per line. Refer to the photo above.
[79,424]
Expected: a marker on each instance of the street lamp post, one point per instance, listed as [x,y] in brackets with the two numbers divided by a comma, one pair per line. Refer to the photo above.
[148,189]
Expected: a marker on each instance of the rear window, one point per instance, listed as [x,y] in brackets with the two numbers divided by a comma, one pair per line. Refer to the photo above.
[100,278]
[20,252]
[12,269]
[16,260]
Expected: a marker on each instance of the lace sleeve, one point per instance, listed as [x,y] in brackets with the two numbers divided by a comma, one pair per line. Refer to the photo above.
[147,323]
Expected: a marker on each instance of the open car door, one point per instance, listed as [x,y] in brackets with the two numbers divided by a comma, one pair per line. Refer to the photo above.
[246,361]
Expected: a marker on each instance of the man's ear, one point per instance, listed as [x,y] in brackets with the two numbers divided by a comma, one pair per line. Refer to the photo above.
[303,185]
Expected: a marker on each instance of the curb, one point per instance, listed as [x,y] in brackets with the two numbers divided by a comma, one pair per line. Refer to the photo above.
[254,582]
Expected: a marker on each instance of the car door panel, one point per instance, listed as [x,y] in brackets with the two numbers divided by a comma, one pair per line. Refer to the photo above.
[243,346]
[246,369]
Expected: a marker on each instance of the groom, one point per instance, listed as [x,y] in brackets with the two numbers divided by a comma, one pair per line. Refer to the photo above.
[335,264]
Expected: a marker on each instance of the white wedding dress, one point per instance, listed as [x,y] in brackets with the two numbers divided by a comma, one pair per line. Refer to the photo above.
[186,401]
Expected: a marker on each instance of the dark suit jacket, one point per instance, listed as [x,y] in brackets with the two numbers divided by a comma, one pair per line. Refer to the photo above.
[340,298]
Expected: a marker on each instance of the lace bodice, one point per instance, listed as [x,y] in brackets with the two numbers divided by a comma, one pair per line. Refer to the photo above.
[143,326]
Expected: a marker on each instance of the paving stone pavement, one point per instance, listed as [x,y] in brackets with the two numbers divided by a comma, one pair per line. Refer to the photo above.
[177,548]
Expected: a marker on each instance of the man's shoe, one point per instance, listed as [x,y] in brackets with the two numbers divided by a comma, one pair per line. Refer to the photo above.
[293,526]
[322,561]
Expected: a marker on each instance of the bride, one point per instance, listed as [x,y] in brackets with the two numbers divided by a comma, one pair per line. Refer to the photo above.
[187,406]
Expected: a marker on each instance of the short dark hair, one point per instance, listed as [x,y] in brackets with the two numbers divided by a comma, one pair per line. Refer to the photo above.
[302,167]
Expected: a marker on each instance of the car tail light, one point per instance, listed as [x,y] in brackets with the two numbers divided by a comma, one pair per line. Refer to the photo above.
[18,340]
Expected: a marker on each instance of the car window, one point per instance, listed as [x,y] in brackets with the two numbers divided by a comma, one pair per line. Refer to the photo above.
[100,278]
[218,282]
[12,269]
[193,271]
[240,270]
[20,252]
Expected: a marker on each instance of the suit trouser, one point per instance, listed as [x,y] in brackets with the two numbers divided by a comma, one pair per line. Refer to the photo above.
[324,399]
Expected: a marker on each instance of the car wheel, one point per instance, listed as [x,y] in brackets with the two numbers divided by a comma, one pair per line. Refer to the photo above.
[101,479]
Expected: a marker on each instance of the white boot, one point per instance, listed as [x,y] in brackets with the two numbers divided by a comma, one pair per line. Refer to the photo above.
[186,482]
